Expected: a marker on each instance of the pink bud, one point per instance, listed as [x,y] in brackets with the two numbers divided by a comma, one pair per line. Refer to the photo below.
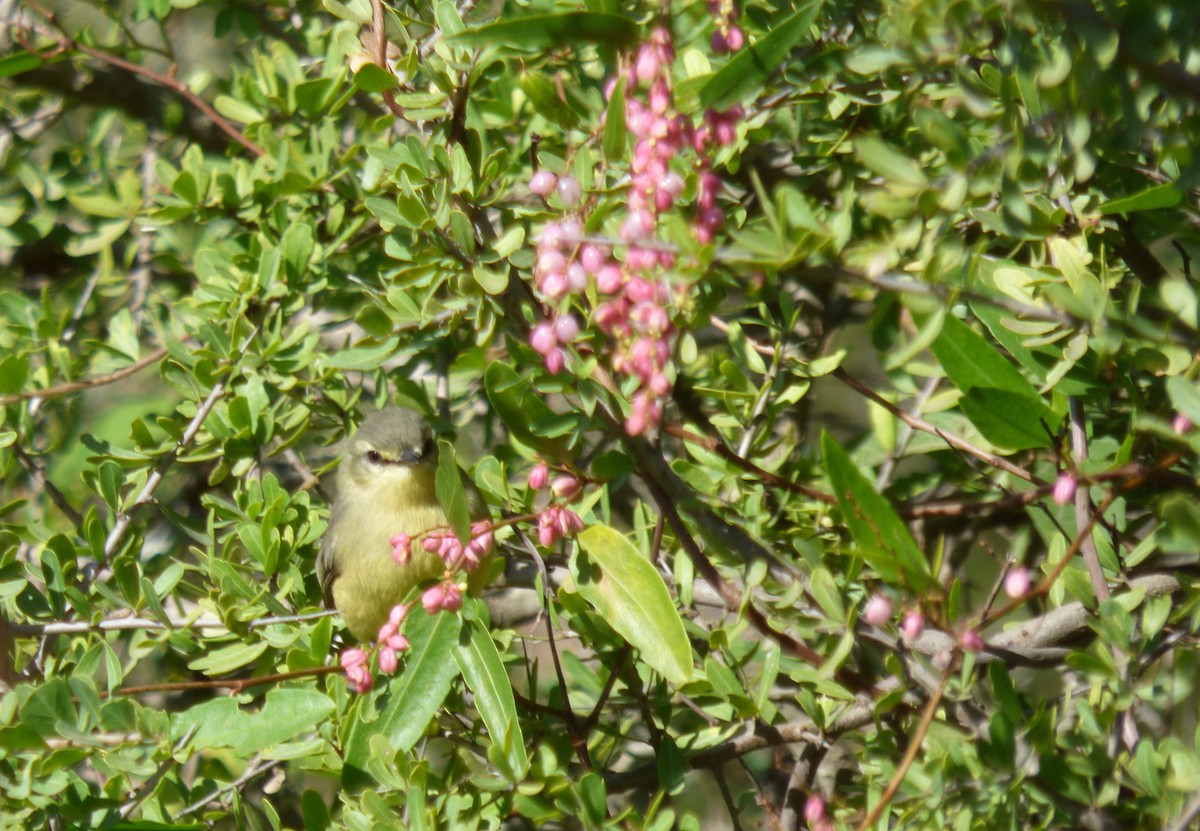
[564,487]
[542,338]
[879,610]
[566,329]
[1016,582]
[432,598]
[971,640]
[399,643]
[660,99]
[389,661]
[1181,424]
[538,477]
[814,809]
[719,44]
[636,424]
[551,236]
[913,624]
[555,361]
[452,601]
[555,285]
[547,536]
[647,64]
[609,279]
[591,258]
[1064,488]
[542,182]
[576,278]
[551,261]
[401,549]
[569,191]
[735,38]
[398,614]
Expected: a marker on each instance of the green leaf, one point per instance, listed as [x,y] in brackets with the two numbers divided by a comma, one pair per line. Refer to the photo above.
[363,357]
[1185,397]
[538,32]
[14,372]
[371,77]
[970,361]
[222,723]
[450,493]
[752,66]
[614,125]
[546,100]
[883,539]
[520,408]
[402,711]
[1008,419]
[629,593]
[884,160]
[485,675]
[1152,198]
[227,659]
[17,63]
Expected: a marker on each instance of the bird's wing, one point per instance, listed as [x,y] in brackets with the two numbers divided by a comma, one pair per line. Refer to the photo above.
[327,566]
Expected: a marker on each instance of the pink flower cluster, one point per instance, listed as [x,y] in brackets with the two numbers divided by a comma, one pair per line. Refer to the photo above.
[634,294]
[728,36]
[391,642]
[355,663]
[555,521]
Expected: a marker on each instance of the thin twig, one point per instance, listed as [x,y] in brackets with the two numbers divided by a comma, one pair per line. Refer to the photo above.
[147,787]
[914,747]
[125,624]
[84,383]
[66,42]
[40,480]
[125,519]
[954,441]
[254,770]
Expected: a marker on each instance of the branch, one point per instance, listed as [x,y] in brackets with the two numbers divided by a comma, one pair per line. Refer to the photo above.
[66,43]
[84,383]
[954,441]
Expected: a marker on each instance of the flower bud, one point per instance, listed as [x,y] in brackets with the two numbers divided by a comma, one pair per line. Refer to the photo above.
[538,477]
[1064,488]
[1016,582]
[913,624]
[564,487]
[569,191]
[542,182]
[879,610]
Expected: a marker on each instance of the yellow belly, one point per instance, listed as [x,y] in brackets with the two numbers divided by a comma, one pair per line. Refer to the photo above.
[370,582]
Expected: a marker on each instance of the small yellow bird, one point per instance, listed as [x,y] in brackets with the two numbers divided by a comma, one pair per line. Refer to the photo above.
[385,486]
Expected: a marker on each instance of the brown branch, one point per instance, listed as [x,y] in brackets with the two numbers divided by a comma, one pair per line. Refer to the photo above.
[721,449]
[235,685]
[66,42]
[1083,503]
[380,44]
[914,747]
[84,383]
[954,441]
[41,480]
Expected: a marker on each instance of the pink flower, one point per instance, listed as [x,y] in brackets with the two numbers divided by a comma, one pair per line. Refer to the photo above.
[569,191]
[878,610]
[1181,424]
[591,258]
[358,673]
[1016,582]
[913,624]
[814,809]
[542,338]
[566,329]
[735,38]
[1064,488]
[401,549]
[542,182]
[442,597]
[389,660]
[555,360]
[971,640]
[564,487]
[539,477]
[609,279]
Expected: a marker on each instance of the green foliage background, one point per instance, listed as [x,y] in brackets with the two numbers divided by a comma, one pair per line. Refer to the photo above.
[982,214]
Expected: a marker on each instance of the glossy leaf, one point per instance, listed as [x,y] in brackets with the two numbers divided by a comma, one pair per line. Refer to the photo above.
[628,592]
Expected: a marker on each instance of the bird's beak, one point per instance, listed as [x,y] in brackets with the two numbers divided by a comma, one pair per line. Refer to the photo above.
[410,456]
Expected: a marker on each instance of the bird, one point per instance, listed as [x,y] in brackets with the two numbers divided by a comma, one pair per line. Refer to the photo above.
[385,486]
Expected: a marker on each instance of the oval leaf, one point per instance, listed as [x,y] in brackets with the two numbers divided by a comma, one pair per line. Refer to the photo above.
[627,591]
[485,675]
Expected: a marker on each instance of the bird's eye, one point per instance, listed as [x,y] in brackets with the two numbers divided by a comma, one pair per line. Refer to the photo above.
[427,450]
[373,457]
